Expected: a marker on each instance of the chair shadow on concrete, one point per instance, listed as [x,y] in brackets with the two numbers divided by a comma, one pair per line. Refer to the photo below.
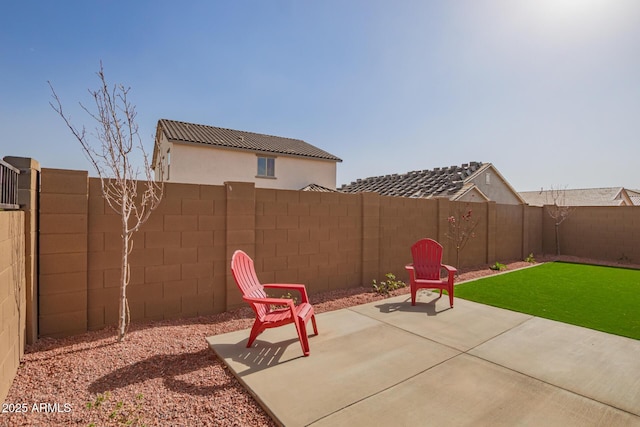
[261,355]
[421,307]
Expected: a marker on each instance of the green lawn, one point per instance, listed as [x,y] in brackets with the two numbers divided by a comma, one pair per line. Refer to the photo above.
[602,298]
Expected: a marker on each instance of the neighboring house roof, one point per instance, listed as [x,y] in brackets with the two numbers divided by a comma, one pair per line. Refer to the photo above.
[439,182]
[611,196]
[318,188]
[236,139]
[634,195]
[473,190]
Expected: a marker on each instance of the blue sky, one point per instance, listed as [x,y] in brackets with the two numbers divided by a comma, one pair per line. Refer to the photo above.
[546,90]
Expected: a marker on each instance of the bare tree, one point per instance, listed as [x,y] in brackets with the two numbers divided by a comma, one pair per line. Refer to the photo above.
[462,227]
[558,210]
[109,150]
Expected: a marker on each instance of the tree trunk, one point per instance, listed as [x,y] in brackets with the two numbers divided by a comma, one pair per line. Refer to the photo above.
[557,239]
[124,271]
[122,316]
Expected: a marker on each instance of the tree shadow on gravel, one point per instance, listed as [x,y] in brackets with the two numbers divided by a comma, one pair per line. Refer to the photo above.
[108,335]
[165,366]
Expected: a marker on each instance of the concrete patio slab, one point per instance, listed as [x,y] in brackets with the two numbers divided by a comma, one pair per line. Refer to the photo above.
[600,366]
[388,363]
[465,326]
[467,391]
[352,358]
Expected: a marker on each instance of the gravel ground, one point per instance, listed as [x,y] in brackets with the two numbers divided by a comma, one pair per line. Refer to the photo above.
[162,374]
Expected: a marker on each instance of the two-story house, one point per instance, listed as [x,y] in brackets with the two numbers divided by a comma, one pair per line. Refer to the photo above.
[200,154]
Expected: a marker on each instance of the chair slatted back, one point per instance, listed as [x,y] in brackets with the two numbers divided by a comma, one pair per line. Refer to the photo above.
[427,259]
[245,276]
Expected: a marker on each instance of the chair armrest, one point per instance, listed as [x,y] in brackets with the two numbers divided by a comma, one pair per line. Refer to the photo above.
[293,286]
[412,272]
[449,268]
[296,286]
[270,301]
[451,271]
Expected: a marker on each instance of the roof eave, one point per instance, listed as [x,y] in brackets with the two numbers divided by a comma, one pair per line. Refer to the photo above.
[251,150]
[156,144]
[464,191]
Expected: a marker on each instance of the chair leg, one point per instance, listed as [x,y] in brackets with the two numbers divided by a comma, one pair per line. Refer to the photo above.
[255,331]
[450,292]
[301,328]
[315,327]
[414,291]
[304,339]
[301,320]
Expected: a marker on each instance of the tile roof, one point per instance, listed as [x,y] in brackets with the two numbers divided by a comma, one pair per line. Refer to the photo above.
[318,188]
[610,196]
[439,182]
[221,137]
[634,195]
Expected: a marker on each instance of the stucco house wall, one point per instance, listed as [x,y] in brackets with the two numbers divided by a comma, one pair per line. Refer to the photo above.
[495,187]
[201,164]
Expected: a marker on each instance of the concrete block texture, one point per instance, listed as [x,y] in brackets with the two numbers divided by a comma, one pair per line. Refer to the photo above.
[180,222]
[197,207]
[61,181]
[63,203]
[63,263]
[13,302]
[63,324]
[240,191]
[196,239]
[63,243]
[62,223]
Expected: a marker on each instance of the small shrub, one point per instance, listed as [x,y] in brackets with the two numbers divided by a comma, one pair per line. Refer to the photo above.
[100,399]
[624,259]
[288,295]
[498,266]
[386,286]
[119,413]
[530,258]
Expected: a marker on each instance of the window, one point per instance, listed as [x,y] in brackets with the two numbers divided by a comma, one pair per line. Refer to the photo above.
[487,178]
[267,167]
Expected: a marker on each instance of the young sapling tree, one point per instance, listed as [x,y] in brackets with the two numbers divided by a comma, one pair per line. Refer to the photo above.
[462,227]
[109,149]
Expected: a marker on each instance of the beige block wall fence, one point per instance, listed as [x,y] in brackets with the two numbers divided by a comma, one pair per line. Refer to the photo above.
[18,273]
[12,296]
[181,256]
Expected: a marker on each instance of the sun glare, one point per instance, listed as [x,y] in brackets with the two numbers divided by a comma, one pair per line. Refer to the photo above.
[576,17]
[570,9]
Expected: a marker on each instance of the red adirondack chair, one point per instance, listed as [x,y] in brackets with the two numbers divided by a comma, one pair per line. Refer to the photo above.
[266,316]
[424,272]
